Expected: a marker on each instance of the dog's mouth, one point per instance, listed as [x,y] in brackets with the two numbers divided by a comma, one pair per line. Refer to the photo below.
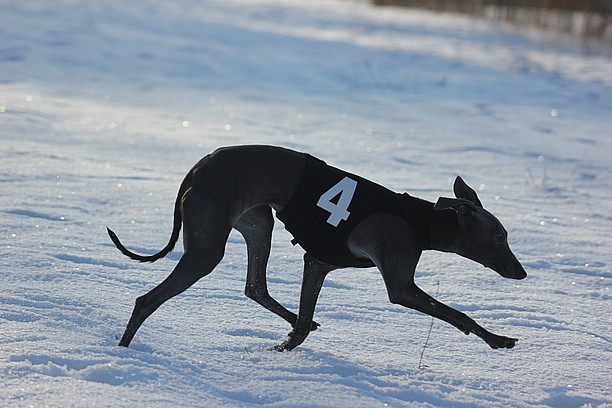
[515,271]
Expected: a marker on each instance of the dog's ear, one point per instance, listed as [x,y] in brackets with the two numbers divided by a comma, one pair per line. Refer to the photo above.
[463,208]
[445,203]
[465,192]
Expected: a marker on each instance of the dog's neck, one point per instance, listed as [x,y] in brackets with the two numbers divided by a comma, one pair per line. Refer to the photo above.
[443,229]
[434,229]
[419,214]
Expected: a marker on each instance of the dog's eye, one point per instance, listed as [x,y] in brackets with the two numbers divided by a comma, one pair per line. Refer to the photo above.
[500,239]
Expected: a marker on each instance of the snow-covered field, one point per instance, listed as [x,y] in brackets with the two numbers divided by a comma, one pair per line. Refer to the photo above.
[105,105]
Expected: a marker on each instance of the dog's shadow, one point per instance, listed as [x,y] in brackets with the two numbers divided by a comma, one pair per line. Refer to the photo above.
[317,369]
[279,375]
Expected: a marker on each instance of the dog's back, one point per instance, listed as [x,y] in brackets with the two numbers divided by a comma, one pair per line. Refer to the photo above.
[250,175]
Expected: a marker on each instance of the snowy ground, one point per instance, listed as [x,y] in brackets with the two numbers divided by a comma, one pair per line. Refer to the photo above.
[105,105]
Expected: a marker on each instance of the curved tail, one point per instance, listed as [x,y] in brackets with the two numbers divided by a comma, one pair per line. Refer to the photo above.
[176,229]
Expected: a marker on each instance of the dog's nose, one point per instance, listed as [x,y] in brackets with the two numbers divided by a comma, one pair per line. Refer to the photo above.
[519,272]
[513,270]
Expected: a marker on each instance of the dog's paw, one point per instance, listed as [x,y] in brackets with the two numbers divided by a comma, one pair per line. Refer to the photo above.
[278,347]
[286,345]
[498,342]
[296,337]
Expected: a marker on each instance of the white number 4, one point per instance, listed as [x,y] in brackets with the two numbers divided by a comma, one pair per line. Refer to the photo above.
[338,211]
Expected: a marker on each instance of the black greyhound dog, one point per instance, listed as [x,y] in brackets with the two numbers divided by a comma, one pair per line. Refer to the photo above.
[340,219]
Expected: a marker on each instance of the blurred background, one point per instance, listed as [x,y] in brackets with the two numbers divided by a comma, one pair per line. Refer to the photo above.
[589,18]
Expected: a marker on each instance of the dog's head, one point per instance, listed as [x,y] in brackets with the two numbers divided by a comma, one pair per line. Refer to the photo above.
[479,236]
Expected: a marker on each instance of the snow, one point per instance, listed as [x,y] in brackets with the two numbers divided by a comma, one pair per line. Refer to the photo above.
[104,106]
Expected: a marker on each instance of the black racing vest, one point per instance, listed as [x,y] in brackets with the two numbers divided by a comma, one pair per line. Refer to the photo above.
[328,203]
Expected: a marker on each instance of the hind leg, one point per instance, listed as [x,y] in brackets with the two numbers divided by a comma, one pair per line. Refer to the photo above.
[256,227]
[187,272]
[205,235]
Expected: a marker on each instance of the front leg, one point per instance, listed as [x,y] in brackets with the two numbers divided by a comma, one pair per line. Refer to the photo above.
[414,298]
[314,275]
[390,243]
